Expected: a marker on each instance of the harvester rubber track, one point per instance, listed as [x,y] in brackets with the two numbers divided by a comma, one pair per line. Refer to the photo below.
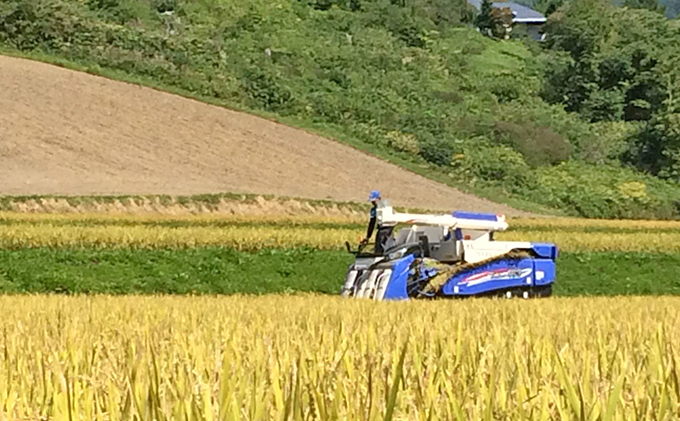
[447,272]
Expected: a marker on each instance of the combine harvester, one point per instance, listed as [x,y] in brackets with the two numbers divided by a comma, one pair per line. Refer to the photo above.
[448,256]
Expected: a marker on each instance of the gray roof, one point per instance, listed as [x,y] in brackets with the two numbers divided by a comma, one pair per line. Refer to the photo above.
[521,13]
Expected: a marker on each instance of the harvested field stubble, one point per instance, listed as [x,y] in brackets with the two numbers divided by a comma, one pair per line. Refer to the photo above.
[324,358]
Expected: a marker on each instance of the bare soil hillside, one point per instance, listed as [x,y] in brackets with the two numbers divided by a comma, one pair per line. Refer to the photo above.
[65,132]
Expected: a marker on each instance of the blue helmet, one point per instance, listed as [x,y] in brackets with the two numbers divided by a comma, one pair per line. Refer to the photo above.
[375,195]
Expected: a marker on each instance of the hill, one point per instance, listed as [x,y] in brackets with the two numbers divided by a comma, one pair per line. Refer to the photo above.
[67,132]
[583,125]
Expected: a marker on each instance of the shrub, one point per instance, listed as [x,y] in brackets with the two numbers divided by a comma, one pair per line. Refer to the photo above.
[604,192]
[604,105]
[505,89]
[436,151]
[538,145]
[266,91]
[449,96]
[610,141]
[500,165]
[403,142]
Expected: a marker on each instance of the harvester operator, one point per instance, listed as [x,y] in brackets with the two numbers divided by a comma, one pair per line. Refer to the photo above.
[384,233]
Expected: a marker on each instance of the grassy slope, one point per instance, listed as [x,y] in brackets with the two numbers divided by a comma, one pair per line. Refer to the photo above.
[223,271]
[332,131]
[353,77]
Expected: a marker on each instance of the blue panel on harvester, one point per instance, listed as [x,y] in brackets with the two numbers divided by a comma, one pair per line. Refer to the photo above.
[544,271]
[396,288]
[477,216]
[497,275]
[545,250]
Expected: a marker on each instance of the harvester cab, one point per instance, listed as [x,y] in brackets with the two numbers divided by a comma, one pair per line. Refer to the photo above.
[448,255]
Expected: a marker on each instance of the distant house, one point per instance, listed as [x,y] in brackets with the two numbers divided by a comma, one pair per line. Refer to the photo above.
[522,15]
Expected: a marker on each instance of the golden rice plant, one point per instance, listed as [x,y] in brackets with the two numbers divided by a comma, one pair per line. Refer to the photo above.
[304,219]
[237,237]
[286,231]
[557,223]
[652,242]
[325,358]
[199,219]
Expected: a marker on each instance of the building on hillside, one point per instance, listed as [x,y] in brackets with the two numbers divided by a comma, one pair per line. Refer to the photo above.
[522,15]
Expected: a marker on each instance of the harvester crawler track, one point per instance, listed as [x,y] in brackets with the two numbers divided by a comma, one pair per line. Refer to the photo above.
[447,272]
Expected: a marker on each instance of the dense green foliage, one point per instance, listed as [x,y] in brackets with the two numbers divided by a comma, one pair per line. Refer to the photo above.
[669,8]
[405,79]
[224,271]
[620,65]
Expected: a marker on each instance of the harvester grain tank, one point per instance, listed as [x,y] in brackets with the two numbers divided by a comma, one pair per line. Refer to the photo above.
[449,255]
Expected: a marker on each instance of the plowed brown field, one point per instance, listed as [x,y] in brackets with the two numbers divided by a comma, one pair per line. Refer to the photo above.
[66,132]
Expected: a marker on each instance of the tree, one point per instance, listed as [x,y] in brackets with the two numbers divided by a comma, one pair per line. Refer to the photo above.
[576,35]
[502,22]
[547,7]
[607,62]
[652,5]
[494,21]
[553,6]
[485,21]
[657,147]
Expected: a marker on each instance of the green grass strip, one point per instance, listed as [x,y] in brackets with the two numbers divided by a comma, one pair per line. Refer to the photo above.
[227,271]
[201,271]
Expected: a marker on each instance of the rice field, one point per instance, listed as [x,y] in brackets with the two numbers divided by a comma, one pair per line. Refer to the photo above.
[314,357]
[325,358]
[240,232]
